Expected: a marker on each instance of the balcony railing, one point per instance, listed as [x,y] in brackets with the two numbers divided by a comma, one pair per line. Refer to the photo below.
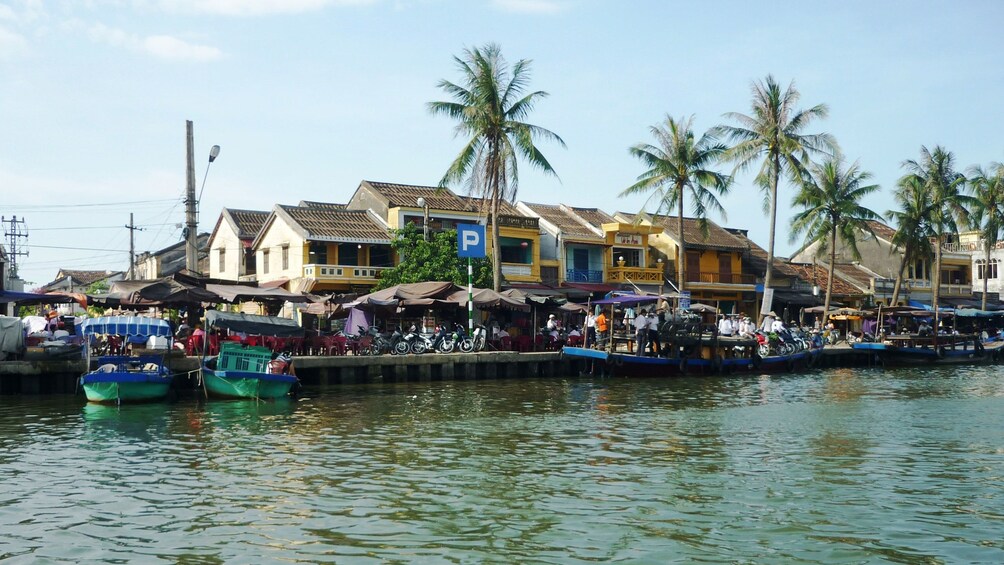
[963,247]
[521,222]
[363,272]
[947,289]
[248,278]
[513,269]
[634,274]
[583,276]
[721,278]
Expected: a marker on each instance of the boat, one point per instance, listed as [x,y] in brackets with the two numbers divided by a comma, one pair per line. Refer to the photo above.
[245,371]
[126,378]
[908,349]
[697,349]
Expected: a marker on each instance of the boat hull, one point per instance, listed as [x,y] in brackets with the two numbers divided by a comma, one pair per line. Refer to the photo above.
[244,385]
[112,388]
[893,356]
[623,364]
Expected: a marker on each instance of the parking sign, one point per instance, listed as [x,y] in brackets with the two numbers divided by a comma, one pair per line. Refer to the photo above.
[471,241]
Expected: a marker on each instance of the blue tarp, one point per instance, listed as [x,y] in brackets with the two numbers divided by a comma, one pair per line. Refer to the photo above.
[627,299]
[34,298]
[126,326]
[976,313]
[928,307]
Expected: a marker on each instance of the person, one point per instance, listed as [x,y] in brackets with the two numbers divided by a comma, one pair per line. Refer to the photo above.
[746,327]
[725,328]
[590,329]
[653,333]
[924,329]
[777,326]
[768,322]
[601,327]
[552,323]
[641,333]
[628,317]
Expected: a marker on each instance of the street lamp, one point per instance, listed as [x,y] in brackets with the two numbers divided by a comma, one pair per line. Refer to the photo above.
[425,217]
[213,154]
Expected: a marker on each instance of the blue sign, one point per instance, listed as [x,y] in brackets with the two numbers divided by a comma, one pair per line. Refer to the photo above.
[685,300]
[471,241]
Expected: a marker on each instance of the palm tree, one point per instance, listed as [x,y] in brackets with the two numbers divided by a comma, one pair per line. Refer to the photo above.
[936,173]
[773,134]
[490,107]
[987,211]
[830,198]
[913,228]
[678,165]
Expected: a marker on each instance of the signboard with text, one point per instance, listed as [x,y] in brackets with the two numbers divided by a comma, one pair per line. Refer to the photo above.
[471,241]
[685,300]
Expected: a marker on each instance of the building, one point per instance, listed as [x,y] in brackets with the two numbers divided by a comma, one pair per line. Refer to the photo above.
[231,256]
[441,209]
[572,250]
[170,260]
[318,248]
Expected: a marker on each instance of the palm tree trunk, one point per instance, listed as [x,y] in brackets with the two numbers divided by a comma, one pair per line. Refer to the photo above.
[829,275]
[680,269]
[986,277]
[496,251]
[936,283]
[899,282]
[773,222]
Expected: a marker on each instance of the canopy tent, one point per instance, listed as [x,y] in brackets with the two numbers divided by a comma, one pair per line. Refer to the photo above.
[27,298]
[157,292]
[252,324]
[976,313]
[628,299]
[488,298]
[533,299]
[233,293]
[574,308]
[127,326]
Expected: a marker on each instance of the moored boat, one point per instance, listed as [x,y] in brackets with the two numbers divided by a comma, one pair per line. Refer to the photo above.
[906,350]
[245,372]
[126,378]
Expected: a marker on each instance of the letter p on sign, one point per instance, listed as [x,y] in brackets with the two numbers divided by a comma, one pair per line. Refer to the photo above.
[470,241]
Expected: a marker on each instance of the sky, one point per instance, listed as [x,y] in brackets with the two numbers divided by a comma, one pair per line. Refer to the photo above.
[308,97]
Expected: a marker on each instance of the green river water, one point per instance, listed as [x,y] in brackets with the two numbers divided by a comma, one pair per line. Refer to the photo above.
[835,466]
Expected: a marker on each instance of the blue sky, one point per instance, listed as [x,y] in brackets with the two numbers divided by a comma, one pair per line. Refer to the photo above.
[308,97]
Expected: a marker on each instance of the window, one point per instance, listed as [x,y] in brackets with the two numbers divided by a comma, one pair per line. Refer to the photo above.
[985,272]
[514,250]
[250,262]
[380,256]
[632,257]
[223,259]
[318,253]
[348,254]
[285,257]
[264,262]
[918,271]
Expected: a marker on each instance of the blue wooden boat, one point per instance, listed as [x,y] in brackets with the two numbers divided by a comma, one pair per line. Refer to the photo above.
[243,372]
[124,378]
[907,350]
[629,365]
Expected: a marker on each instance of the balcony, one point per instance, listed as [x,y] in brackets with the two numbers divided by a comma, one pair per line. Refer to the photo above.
[248,278]
[520,222]
[583,276]
[634,274]
[953,289]
[721,278]
[348,273]
[517,270]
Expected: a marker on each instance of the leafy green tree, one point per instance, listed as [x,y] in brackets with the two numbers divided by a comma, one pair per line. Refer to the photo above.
[913,228]
[773,136]
[489,108]
[935,171]
[680,165]
[433,260]
[830,198]
[987,211]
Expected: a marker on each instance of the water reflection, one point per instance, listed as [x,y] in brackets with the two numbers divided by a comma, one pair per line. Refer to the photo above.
[833,466]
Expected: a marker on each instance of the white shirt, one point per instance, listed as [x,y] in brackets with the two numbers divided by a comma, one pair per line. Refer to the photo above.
[653,322]
[768,323]
[725,327]
[640,323]
[777,326]
[590,321]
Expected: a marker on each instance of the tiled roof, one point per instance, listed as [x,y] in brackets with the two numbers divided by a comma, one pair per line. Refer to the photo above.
[336,225]
[569,226]
[882,230]
[406,195]
[717,238]
[85,277]
[840,286]
[325,205]
[755,259]
[861,277]
[247,222]
[593,216]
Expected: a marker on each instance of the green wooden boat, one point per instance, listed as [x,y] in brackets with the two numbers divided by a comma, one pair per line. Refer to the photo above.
[248,372]
[124,378]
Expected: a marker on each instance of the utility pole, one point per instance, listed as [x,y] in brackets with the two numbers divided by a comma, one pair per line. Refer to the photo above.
[132,247]
[15,231]
[191,204]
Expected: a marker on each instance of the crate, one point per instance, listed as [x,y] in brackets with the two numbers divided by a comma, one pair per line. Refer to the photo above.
[235,357]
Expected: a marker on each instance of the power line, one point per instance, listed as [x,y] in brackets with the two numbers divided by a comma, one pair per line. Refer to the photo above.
[77,248]
[103,227]
[121,203]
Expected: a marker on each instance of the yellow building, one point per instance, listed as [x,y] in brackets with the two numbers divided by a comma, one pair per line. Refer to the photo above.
[441,209]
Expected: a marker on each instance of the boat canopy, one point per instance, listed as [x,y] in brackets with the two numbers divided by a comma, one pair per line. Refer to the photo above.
[253,325]
[126,326]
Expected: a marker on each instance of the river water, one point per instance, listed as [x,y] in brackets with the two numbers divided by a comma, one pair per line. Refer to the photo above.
[836,466]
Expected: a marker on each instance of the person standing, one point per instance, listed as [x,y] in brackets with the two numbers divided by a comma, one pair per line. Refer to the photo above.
[653,333]
[641,333]
[590,329]
[725,328]
[601,327]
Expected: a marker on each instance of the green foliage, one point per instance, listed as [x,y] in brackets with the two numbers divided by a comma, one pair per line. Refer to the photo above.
[433,260]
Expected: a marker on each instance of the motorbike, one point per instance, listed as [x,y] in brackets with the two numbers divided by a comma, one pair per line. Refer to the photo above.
[443,341]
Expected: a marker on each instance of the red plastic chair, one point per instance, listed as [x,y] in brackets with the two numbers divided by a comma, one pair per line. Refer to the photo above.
[505,343]
[337,344]
[523,343]
[194,345]
[574,341]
